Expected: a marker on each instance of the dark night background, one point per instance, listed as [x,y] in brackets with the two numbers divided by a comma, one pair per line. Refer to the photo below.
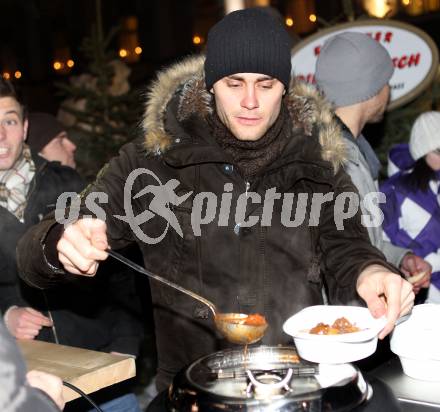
[31,31]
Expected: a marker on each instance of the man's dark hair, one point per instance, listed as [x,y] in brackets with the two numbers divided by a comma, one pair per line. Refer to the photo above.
[420,176]
[7,89]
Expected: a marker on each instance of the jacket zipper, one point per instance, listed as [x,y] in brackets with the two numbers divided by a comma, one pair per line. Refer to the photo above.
[248,185]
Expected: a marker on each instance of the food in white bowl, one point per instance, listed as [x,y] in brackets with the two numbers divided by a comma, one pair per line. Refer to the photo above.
[339,326]
[334,348]
[417,343]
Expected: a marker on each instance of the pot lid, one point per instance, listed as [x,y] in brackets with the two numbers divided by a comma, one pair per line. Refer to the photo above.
[262,372]
[263,379]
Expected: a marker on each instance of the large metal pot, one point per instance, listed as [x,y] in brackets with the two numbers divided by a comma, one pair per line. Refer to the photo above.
[263,378]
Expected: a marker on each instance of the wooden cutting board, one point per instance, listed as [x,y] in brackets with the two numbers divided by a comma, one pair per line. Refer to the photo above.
[86,369]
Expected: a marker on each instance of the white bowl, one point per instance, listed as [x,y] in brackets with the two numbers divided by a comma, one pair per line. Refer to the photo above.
[342,348]
[422,369]
[417,343]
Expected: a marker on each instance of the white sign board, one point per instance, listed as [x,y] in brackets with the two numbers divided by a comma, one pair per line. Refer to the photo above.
[414,54]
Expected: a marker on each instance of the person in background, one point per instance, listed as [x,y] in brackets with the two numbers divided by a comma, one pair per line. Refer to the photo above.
[29,188]
[353,71]
[33,391]
[88,315]
[412,210]
[48,137]
[230,123]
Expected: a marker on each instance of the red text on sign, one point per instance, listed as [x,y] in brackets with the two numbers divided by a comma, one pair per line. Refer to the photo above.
[406,61]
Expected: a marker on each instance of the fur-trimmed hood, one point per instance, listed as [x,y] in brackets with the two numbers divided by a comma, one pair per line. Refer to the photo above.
[306,106]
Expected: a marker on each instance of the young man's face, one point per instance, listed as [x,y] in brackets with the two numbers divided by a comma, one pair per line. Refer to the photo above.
[248,103]
[13,131]
[61,149]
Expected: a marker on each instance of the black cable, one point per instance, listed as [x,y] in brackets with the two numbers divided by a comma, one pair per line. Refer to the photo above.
[74,388]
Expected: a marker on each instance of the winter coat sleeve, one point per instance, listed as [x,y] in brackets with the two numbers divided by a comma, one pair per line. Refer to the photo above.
[12,229]
[346,249]
[360,174]
[32,256]
[411,219]
[16,395]
[393,253]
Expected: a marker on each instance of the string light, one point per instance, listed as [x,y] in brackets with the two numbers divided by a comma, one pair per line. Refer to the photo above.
[418,7]
[6,75]
[17,74]
[62,60]
[197,40]
[129,46]
[289,21]
[312,18]
[381,8]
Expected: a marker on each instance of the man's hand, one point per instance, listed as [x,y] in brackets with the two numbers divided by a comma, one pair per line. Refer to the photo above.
[82,246]
[48,383]
[385,293]
[412,266]
[25,323]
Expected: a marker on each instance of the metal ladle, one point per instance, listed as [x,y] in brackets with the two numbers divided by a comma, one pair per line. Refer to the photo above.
[230,325]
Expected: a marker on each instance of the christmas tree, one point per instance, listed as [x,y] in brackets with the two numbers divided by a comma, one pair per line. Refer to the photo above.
[100,110]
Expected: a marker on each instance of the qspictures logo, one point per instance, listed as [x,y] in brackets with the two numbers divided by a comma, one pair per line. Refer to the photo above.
[162,198]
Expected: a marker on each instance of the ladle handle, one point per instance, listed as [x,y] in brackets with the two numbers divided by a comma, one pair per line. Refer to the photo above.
[152,275]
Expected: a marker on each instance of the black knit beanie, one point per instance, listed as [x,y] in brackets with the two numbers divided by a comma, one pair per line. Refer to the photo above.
[248,41]
[43,127]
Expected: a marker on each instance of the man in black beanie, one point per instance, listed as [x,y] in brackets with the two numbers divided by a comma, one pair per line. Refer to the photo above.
[231,148]
[49,138]
[248,41]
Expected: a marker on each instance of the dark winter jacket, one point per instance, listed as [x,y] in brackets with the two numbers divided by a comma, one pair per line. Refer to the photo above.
[82,317]
[50,180]
[267,268]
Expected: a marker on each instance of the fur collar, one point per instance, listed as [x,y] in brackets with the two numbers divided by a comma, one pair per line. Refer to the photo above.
[306,106]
